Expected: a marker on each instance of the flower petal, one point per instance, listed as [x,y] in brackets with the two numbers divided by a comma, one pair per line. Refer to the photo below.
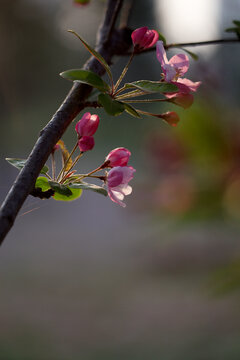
[161,53]
[169,72]
[115,177]
[125,189]
[116,197]
[138,34]
[180,63]
[186,85]
[127,172]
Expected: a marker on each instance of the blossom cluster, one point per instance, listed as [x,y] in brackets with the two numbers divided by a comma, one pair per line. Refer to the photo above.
[118,177]
[172,71]
[120,173]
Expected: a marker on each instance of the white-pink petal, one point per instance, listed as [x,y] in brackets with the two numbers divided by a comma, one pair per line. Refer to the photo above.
[180,62]
[161,53]
[190,85]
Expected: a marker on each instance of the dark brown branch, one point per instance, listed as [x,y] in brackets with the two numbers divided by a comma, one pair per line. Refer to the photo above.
[53,131]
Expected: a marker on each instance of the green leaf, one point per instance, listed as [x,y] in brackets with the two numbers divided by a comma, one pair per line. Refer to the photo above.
[192,54]
[42,183]
[162,37]
[59,188]
[20,163]
[44,170]
[87,186]
[86,77]
[153,86]
[76,193]
[95,54]
[130,110]
[63,192]
[111,106]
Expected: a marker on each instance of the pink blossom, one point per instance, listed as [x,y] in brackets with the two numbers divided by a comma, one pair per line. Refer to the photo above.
[118,157]
[117,183]
[143,38]
[86,143]
[174,68]
[88,125]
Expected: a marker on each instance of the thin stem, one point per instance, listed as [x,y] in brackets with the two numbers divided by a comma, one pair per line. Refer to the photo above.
[201,43]
[66,162]
[124,72]
[92,172]
[190,44]
[53,166]
[144,101]
[73,164]
[144,112]
[130,94]
[48,176]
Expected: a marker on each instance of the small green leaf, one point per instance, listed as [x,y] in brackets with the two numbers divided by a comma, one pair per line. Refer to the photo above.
[86,77]
[87,186]
[59,188]
[63,192]
[44,170]
[111,106]
[190,53]
[162,37]
[76,193]
[42,183]
[153,86]
[95,54]
[130,110]
[20,163]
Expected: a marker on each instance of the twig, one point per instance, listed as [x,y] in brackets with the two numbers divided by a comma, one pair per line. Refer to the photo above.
[53,131]
[190,44]
[200,43]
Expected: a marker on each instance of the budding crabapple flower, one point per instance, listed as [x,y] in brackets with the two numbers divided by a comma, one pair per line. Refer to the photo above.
[174,68]
[117,183]
[118,157]
[88,125]
[171,117]
[86,143]
[143,38]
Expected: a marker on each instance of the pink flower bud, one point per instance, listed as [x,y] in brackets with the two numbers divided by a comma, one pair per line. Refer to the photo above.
[88,125]
[86,143]
[170,117]
[143,38]
[180,99]
[118,157]
[117,182]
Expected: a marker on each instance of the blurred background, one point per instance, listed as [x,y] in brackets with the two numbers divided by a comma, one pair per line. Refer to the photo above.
[161,278]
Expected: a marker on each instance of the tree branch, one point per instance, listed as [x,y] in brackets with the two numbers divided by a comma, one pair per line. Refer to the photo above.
[53,131]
